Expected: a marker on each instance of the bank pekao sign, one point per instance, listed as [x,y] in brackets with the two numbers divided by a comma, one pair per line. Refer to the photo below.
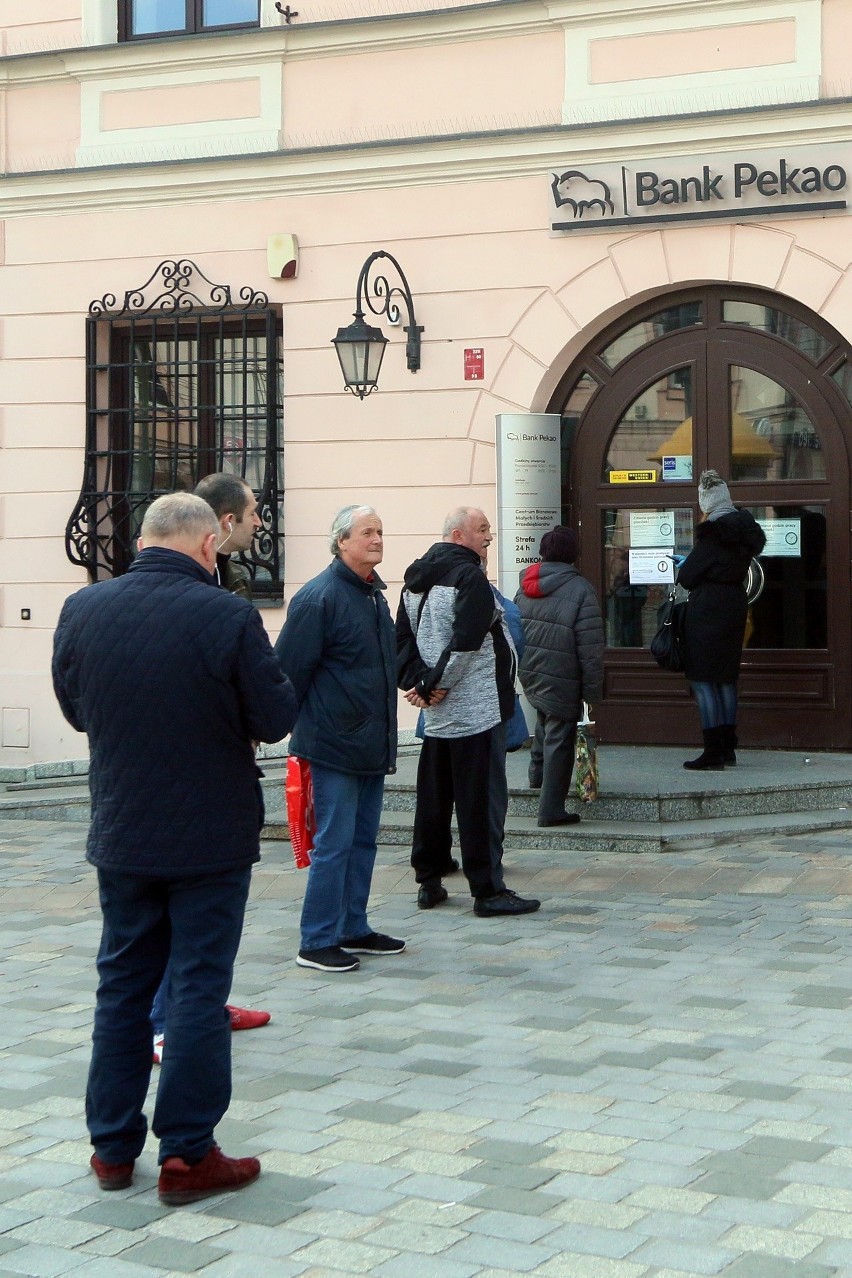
[688,189]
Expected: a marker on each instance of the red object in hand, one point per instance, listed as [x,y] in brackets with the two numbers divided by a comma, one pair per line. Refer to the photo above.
[299,791]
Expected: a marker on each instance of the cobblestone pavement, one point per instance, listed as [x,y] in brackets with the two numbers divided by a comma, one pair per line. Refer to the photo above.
[648,1079]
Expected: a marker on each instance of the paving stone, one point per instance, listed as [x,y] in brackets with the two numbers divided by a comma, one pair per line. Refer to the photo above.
[162,1253]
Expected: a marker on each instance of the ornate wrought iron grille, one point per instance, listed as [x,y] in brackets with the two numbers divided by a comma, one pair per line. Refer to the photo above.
[181,381]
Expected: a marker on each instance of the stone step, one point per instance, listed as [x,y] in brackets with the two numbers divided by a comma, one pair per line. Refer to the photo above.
[596,835]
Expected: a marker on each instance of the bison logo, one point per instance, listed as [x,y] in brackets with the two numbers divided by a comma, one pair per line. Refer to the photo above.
[581,193]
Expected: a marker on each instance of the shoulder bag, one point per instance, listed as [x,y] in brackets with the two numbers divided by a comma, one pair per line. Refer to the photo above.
[667,644]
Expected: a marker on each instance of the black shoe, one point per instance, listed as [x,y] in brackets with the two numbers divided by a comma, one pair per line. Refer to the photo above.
[729,741]
[430,895]
[451,868]
[567,818]
[329,958]
[505,902]
[374,943]
[534,785]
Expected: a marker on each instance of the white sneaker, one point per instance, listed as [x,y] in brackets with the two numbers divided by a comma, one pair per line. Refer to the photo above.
[158,1048]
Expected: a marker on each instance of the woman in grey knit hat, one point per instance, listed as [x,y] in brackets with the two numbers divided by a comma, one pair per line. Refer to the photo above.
[714,573]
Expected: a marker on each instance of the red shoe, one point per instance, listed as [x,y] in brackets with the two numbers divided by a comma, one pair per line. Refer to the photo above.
[242,1018]
[112,1175]
[182,1182]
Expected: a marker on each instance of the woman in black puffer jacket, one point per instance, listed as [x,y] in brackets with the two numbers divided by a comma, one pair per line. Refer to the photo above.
[714,573]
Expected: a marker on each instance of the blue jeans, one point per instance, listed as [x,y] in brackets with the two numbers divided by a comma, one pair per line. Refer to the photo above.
[717,703]
[347,810]
[194,925]
[161,999]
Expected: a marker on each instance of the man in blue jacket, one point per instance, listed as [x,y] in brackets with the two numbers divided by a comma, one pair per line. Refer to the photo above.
[172,680]
[338,649]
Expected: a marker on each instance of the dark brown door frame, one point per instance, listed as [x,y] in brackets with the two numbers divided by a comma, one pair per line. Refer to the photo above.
[799,698]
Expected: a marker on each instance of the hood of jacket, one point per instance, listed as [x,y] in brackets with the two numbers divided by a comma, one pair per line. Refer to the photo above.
[439,559]
[740,526]
[540,580]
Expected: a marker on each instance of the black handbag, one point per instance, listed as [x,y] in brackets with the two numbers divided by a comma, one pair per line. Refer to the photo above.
[667,644]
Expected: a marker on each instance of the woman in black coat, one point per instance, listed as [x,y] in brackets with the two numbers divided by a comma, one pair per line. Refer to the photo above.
[714,573]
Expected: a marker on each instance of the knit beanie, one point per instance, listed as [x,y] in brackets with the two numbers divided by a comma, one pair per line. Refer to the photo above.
[559,545]
[713,493]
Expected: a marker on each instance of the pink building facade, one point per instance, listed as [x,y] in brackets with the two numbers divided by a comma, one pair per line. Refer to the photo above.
[626,229]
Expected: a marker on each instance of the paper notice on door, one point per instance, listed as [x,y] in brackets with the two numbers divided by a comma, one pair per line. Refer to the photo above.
[653,566]
[652,528]
[783,537]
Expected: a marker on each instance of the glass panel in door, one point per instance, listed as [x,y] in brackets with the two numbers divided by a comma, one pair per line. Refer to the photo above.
[655,433]
[771,435]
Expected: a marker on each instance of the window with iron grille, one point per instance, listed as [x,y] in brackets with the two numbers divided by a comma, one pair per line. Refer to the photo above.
[181,381]
[141,19]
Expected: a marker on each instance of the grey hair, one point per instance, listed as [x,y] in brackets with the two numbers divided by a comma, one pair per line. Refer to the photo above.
[177,516]
[343,523]
[457,519]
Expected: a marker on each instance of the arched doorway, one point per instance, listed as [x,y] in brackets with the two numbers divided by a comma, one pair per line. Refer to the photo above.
[758,388]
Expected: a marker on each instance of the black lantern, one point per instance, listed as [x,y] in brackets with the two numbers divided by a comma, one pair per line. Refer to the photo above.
[360,347]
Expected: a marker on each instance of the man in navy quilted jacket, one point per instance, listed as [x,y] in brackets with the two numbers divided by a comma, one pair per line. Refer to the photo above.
[338,648]
[172,680]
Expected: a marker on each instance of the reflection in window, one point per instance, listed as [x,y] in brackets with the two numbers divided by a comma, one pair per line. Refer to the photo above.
[842,377]
[632,608]
[657,424]
[792,611]
[778,324]
[172,17]
[772,436]
[669,321]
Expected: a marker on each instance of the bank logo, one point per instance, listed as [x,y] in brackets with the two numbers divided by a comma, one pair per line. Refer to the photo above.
[686,190]
[581,194]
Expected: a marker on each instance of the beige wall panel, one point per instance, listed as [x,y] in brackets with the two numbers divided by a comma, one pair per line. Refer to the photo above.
[641,262]
[29,336]
[545,329]
[37,559]
[57,380]
[180,104]
[36,427]
[592,292]
[43,470]
[484,469]
[373,220]
[44,602]
[760,254]
[809,278]
[402,463]
[838,308]
[836,43]
[756,44]
[420,513]
[37,33]
[518,378]
[48,519]
[457,85]
[380,417]
[483,426]
[709,259]
[42,126]
[465,318]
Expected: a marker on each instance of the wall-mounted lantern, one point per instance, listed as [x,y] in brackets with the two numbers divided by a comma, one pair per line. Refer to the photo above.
[360,347]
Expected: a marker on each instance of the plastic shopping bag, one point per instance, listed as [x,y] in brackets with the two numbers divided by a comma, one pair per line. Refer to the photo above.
[586,764]
[299,791]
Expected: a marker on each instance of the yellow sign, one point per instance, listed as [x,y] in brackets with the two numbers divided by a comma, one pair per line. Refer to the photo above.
[632,476]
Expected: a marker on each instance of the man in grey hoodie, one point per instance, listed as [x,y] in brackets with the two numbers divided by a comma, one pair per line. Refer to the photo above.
[457,662]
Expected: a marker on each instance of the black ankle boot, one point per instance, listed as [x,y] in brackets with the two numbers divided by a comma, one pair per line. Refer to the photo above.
[711,759]
[729,741]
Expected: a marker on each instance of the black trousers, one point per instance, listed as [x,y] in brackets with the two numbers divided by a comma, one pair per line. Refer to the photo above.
[552,763]
[457,772]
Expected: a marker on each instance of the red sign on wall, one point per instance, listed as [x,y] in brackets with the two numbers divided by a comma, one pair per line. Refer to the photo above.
[474,364]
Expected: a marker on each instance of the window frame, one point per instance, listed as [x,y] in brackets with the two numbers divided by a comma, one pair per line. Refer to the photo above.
[193,23]
[170,309]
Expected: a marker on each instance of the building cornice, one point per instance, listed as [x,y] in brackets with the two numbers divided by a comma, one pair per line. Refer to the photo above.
[420,161]
[493,19]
